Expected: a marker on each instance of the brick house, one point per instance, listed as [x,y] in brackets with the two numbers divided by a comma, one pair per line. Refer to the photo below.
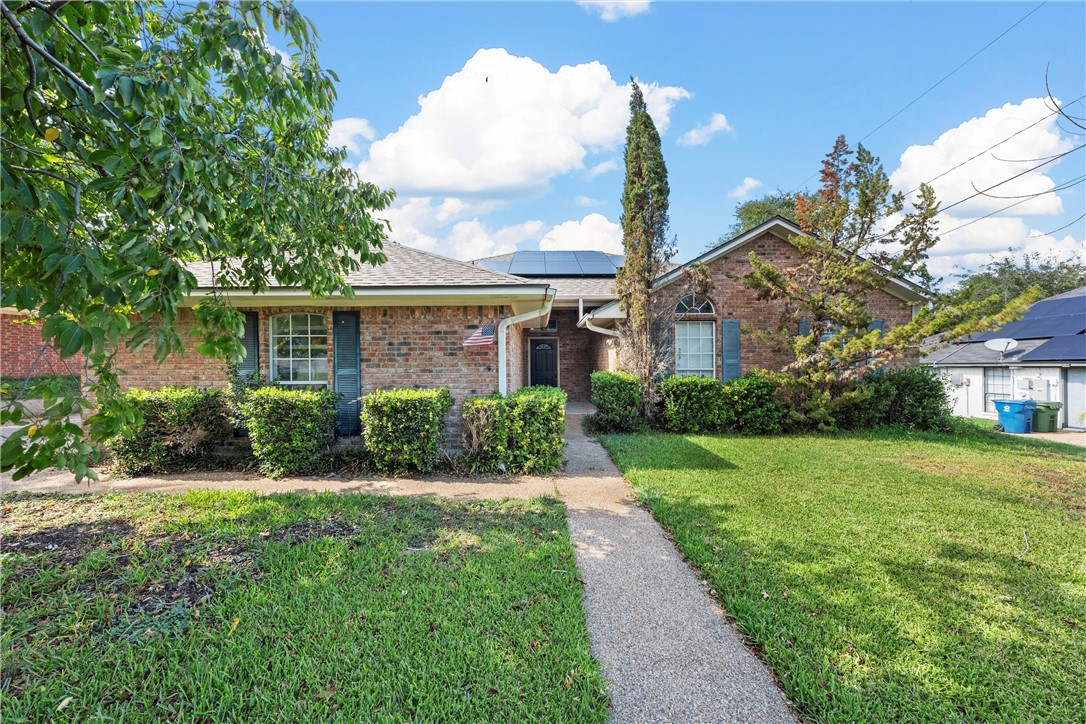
[416,319]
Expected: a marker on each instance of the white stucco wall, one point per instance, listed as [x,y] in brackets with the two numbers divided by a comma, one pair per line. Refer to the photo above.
[968,397]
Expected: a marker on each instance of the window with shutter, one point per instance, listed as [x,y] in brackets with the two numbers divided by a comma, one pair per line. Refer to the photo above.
[250,340]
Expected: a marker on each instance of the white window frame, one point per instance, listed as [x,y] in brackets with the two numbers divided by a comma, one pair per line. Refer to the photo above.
[696,371]
[991,394]
[684,308]
[274,360]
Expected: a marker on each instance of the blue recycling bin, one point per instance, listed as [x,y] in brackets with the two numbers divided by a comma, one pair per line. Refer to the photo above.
[1016,415]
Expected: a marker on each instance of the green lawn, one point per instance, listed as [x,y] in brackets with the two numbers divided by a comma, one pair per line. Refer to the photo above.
[230,606]
[885,576]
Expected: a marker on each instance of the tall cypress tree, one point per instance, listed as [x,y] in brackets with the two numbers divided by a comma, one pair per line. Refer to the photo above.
[644,238]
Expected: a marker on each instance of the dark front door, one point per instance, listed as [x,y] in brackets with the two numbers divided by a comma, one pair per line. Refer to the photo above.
[543,356]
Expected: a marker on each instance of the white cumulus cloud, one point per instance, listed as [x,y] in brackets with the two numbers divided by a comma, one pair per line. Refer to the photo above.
[588,201]
[611,10]
[1021,136]
[504,126]
[348,132]
[1030,147]
[593,232]
[742,191]
[700,135]
[603,167]
[474,239]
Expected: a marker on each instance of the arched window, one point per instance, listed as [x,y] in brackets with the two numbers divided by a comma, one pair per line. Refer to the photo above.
[299,350]
[694,304]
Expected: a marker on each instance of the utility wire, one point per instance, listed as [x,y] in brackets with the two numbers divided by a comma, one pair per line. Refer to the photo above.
[999,211]
[941,80]
[1050,233]
[994,145]
[1012,178]
[962,65]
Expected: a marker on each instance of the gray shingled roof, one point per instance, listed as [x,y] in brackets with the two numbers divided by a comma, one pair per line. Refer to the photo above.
[975,354]
[575,287]
[406,267]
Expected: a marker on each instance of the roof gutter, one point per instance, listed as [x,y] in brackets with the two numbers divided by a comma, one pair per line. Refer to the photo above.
[503,326]
[599,330]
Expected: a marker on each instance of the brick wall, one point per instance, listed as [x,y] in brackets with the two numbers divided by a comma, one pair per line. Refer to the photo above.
[401,347]
[732,299]
[138,370]
[20,345]
[576,353]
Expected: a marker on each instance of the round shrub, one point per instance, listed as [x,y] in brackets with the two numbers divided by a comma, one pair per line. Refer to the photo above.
[617,397]
[176,426]
[402,428]
[289,428]
[692,404]
[751,407]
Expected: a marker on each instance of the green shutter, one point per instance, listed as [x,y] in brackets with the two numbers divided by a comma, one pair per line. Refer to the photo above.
[250,340]
[878,323]
[729,349]
[348,378]
[804,328]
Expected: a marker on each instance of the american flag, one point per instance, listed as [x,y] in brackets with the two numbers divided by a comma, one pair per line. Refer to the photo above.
[482,337]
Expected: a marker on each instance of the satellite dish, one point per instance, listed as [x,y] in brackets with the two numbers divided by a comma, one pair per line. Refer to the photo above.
[1002,344]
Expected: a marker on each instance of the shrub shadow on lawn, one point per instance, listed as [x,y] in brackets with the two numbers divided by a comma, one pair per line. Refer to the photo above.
[683,452]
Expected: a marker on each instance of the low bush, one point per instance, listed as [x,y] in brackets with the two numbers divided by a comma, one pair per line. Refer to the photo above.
[617,397]
[751,406]
[402,428]
[915,397]
[289,429]
[692,404]
[523,432]
[176,426]
[912,398]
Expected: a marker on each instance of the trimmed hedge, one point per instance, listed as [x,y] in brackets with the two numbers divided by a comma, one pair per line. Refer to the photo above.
[402,428]
[692,404]
[177,426]
[752,407]
[910,397]
[289,429]
[618,397]
[523,432]
[748,405]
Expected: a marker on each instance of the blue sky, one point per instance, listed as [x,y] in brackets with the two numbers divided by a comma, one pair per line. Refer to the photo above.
[519,142]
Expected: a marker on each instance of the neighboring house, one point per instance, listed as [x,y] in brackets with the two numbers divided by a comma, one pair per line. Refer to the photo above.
[1047,364]
[493,325]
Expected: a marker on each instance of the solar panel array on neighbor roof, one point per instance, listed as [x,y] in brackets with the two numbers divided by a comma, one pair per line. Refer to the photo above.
[557,264]
[1068,348]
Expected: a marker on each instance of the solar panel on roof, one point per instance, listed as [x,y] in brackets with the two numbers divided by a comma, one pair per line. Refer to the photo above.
[1067,348]
[529,255]
[564,268]
[1057,307]
[536,268]
[597,269]
[1038,327]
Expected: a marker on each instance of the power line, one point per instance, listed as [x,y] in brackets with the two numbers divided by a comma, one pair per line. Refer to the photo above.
[962,65]
[999,211]
[994,145]
[941,80]
[1050,233]
[1012,178]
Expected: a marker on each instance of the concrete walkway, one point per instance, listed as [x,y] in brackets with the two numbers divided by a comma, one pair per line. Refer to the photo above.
[664,643]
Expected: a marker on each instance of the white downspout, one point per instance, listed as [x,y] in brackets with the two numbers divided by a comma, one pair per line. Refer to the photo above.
[503,381]
[609,332]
